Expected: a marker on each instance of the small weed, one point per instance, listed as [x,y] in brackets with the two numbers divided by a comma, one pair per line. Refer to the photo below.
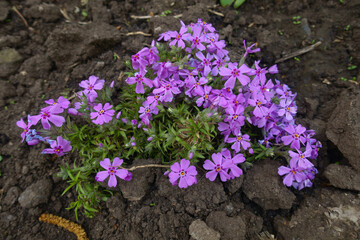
[347,27]
[165,13]
[344,79]
[296,20]
[352,67]
[297,59]
[280,32]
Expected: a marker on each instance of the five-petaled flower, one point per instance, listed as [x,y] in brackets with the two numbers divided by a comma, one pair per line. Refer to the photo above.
[102,114]
[184,172]
[47,116]
[90,86]
[216,168]
[58,147]
[112,170]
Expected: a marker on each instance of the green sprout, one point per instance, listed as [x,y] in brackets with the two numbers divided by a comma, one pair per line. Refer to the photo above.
[237,3]
[347,27]
[280,32]
[296,20]
[84,13]
[165,13]
[343,78]
[297,59]
[352,67]
[341,1]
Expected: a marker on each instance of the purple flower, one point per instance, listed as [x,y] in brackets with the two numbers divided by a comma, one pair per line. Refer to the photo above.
[59,106]
[47,116]
[216,168]
[231,163]
[112,171]
[184,172]
[287,109]
[301,157]
[150,54]
[102,114]
[206,61]
[90,86]
[295,136]
[23,125]
[179,36]
[33,138]
[59,147]
[150,139]
[168,88]
[118,115]
[235,73]
[138,62]
[249,50]
[204,99]
[197,39]
[139,79]
[243,140]
[294,173]
[235,116]
[112,84]
[134,122]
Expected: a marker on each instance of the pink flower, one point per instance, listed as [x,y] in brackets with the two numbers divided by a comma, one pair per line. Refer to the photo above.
[139,79]
[216,168]
[59,106]
[59,147]
[102,114]
[112,171]
[47,116]
[184,172]
[90,86]
[23,125]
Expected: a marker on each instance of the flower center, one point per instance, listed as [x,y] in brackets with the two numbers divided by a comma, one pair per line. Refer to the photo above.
[101,111]
[239,138]
[296,135]
[206,96]
[45,115]
[218,169]
[182,173]
[147,110]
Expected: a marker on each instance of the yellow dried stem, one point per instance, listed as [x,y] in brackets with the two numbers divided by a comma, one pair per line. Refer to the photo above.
[64,223]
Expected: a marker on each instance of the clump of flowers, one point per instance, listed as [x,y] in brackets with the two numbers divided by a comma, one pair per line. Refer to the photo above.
[184,102]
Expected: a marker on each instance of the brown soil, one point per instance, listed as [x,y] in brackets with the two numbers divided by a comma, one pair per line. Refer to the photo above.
[55,54]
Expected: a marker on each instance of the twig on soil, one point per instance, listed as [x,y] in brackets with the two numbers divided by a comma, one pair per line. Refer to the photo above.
[66,16]
[21,16]
[149,16]
[138,33]
[298,52]
[64,223]
[141,17]
[146,166]
[216,13]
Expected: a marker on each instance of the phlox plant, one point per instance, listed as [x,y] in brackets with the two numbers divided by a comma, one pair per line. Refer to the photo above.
[185,103]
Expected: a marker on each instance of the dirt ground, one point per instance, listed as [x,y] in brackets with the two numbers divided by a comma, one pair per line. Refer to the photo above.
[64,42]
